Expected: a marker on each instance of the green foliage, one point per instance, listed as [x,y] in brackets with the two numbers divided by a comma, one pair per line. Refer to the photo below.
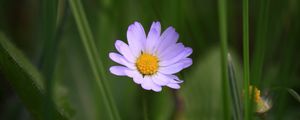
[224,50]
[48,58]
[202,93]
[294,94]
[246,60]
[234,90]
[69,46]
[24,78]
[93,57]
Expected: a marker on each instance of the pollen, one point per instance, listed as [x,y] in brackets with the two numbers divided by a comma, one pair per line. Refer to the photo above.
[147,64]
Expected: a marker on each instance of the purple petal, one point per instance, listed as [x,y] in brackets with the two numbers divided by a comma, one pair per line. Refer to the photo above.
[187,62]
[121,60]
[124,49]
[115,57]
[118,70]
[156,26]
[171,51]
[160,79]
[142,33]
[174,78]
[135,75]
[136,38]
[138,80]
[127,64]
[171,69]
[149,85]
[188,51]
[174,86]
[168,37]
[153,37]
[155,87]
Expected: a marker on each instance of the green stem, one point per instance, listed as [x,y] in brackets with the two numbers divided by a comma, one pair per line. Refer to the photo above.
[235,97]
[246,59]
[224,49]
[93,57]
[48,57]
[259,48]
[145,107]
[260,42]
[25,80]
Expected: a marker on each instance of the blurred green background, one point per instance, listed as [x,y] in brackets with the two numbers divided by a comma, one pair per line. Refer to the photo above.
[57,56]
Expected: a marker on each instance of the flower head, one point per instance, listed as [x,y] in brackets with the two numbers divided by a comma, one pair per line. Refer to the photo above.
[256,93]
[151,60]
[263,104]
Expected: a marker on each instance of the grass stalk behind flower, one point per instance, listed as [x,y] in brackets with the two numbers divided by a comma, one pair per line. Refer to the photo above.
[48,59]
[246,74]
[259,50]
[25,80]
[93,57]
[235,97]
[145,105]
[224,51]
[260,41]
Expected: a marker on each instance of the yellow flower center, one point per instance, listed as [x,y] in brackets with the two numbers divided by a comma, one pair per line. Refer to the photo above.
[147,64]
[257,97]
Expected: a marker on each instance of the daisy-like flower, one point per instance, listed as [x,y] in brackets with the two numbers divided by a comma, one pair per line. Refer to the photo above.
[151,60]
[263,104]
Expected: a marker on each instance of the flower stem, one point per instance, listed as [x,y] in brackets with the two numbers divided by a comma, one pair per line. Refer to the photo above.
[246,59]
[145,107]
[93,57]
[235,97]
[223,35]
[48,59]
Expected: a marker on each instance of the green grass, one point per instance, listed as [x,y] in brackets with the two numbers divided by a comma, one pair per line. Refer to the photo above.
[48,59]
[224,51]
[25,79]
[234,90]
[54,58]
[94,59]
[246,65]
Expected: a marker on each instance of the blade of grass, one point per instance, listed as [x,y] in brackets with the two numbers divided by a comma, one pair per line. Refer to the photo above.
[94,59]
[259,47]
[260,41]
[223,35]
[145,108]
[25,79]
[287,57]
[48,60]
[246,75]
[294,94]
[235,97]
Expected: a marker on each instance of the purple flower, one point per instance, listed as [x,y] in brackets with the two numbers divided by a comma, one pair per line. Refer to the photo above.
[152,60]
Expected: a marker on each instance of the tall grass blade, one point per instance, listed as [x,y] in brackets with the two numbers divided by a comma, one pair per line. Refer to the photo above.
[294,94]
[145,108]
[223,35]
[235,97]
[260,41]
[93,56]
[48,58]
[259,50]
[246,75]
[25,79]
